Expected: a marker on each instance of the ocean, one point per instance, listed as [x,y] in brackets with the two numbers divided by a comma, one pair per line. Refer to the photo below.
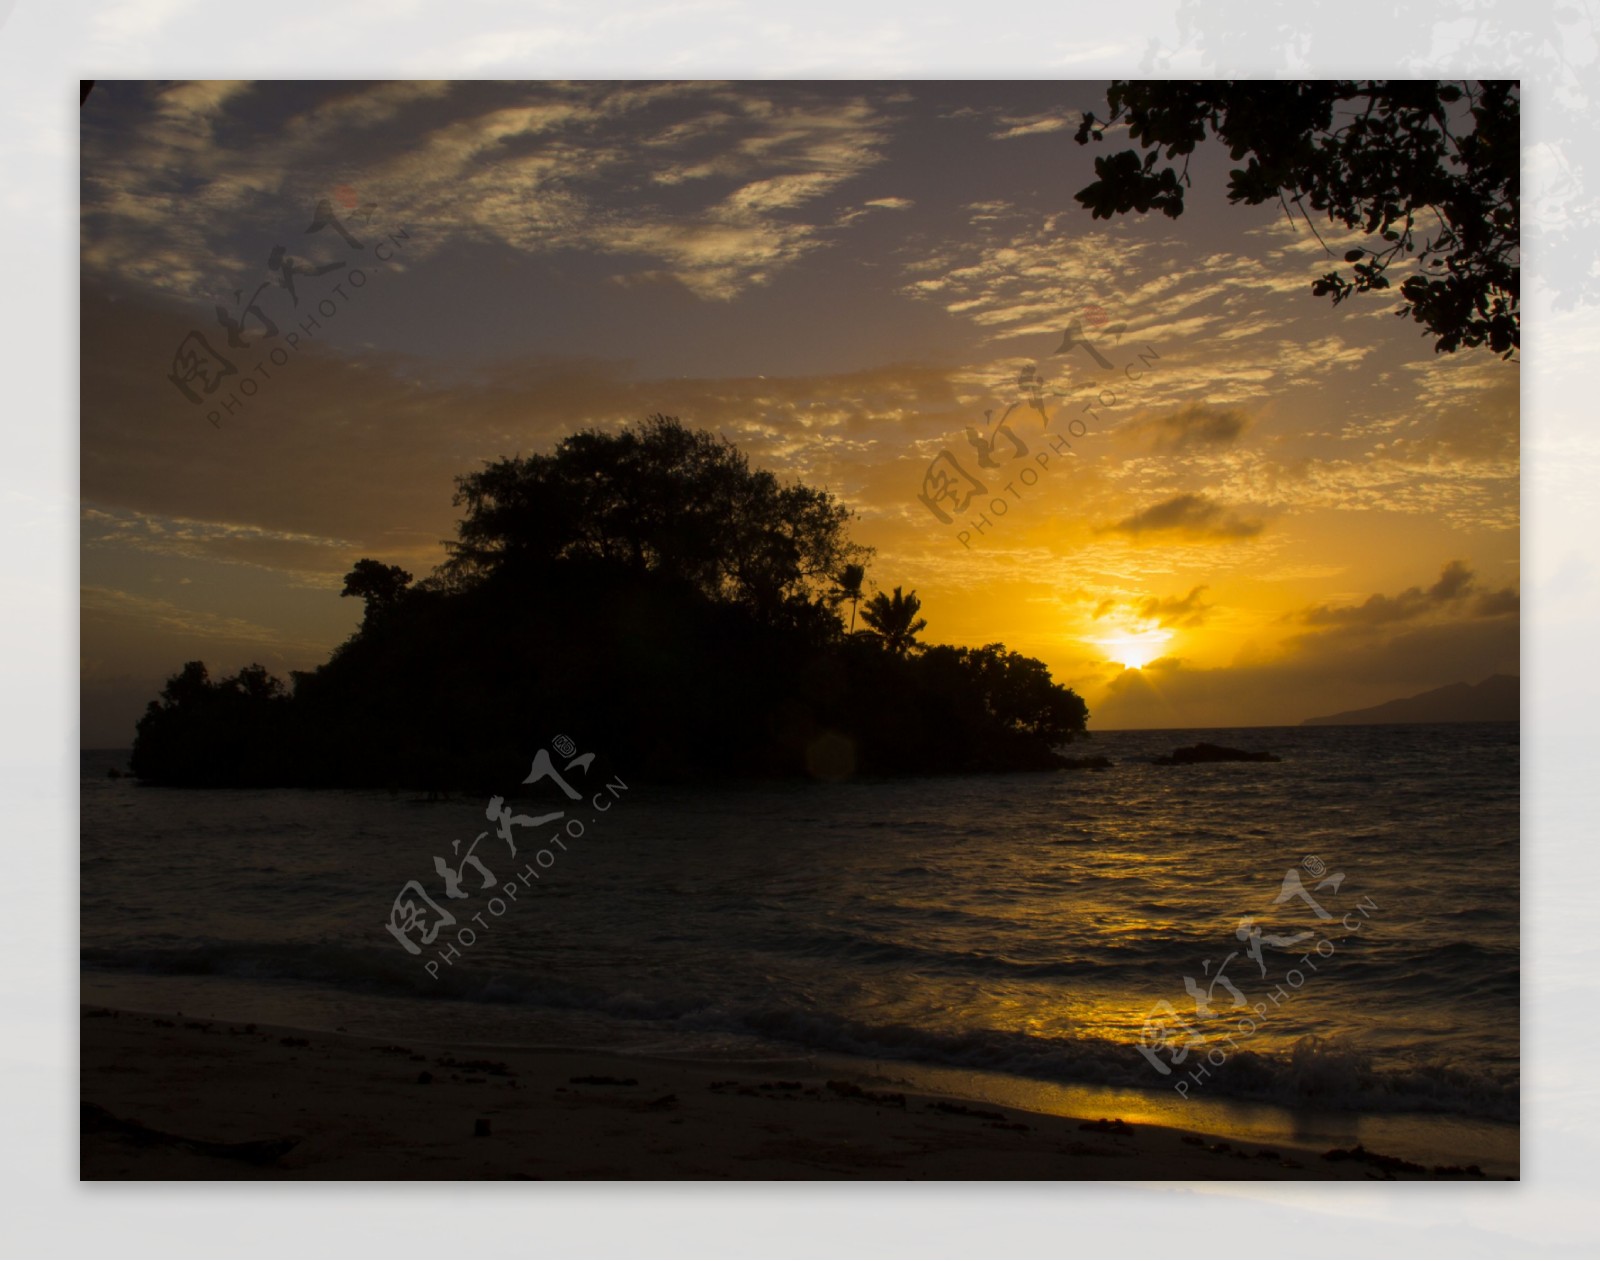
[1067,941]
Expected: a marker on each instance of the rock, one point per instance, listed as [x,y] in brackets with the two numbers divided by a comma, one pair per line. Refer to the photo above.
[1213,753]
[1097,763]
[961,1109]
[1388,1164]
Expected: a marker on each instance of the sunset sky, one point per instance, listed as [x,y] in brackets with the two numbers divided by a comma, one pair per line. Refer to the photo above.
[1277,509]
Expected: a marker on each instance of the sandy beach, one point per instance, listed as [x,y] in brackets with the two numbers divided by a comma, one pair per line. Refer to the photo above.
[170,1098]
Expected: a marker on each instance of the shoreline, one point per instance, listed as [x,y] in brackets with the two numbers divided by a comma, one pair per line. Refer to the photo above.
[165,1097]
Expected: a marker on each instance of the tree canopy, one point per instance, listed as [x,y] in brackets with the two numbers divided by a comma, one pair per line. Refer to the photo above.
[203,732]
[894,620]
[848,585]
[379,585]
[660,498]
[1429,168]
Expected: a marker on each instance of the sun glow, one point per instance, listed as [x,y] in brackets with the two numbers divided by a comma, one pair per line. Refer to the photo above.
[1135,649]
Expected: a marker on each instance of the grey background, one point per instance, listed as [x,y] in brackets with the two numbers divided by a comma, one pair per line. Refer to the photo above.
[45,44]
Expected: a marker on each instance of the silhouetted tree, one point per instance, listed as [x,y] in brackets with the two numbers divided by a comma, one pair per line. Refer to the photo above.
[1392,158]
[189,686]
[661,499]
[255,684]
[1018,693]
[231,733]
[847,586]
[380,585]
[894,620]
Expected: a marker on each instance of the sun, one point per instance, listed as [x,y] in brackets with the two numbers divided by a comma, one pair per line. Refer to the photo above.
[1135,649]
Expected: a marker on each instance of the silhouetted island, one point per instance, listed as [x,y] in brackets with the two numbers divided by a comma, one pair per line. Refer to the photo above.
[647,594]
[1497,699]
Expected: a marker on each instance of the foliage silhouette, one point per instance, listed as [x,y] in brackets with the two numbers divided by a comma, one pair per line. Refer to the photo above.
[662,499]
[894,620]
[847,585]
[381,586]
[1391,158]
[648,594]
[235,731]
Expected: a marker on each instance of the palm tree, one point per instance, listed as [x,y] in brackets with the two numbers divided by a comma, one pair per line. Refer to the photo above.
[847,586]
[894,620]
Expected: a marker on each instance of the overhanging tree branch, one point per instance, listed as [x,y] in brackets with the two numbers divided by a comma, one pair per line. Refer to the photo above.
[1408,150]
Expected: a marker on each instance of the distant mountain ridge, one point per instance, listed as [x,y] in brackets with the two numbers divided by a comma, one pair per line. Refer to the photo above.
[1497,699]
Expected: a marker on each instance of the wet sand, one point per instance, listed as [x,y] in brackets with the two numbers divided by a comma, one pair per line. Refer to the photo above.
[170,1098]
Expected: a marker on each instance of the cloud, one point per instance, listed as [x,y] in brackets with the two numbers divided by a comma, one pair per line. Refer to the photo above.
[1172,611]
[1188,516]
[1194,426]
[310,560]
[173,192]
[1498,603]
[1004,125]
[715,257]
[1021,274]
[174,620]
[1454,582]
[1036,124]
[354,456]
[1447,595]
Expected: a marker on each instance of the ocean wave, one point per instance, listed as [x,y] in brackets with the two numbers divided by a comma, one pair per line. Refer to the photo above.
[1314,1073]
[1093,959]
[1321,1073]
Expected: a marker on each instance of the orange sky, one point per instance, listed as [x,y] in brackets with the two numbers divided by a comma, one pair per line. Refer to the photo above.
[1276,508]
